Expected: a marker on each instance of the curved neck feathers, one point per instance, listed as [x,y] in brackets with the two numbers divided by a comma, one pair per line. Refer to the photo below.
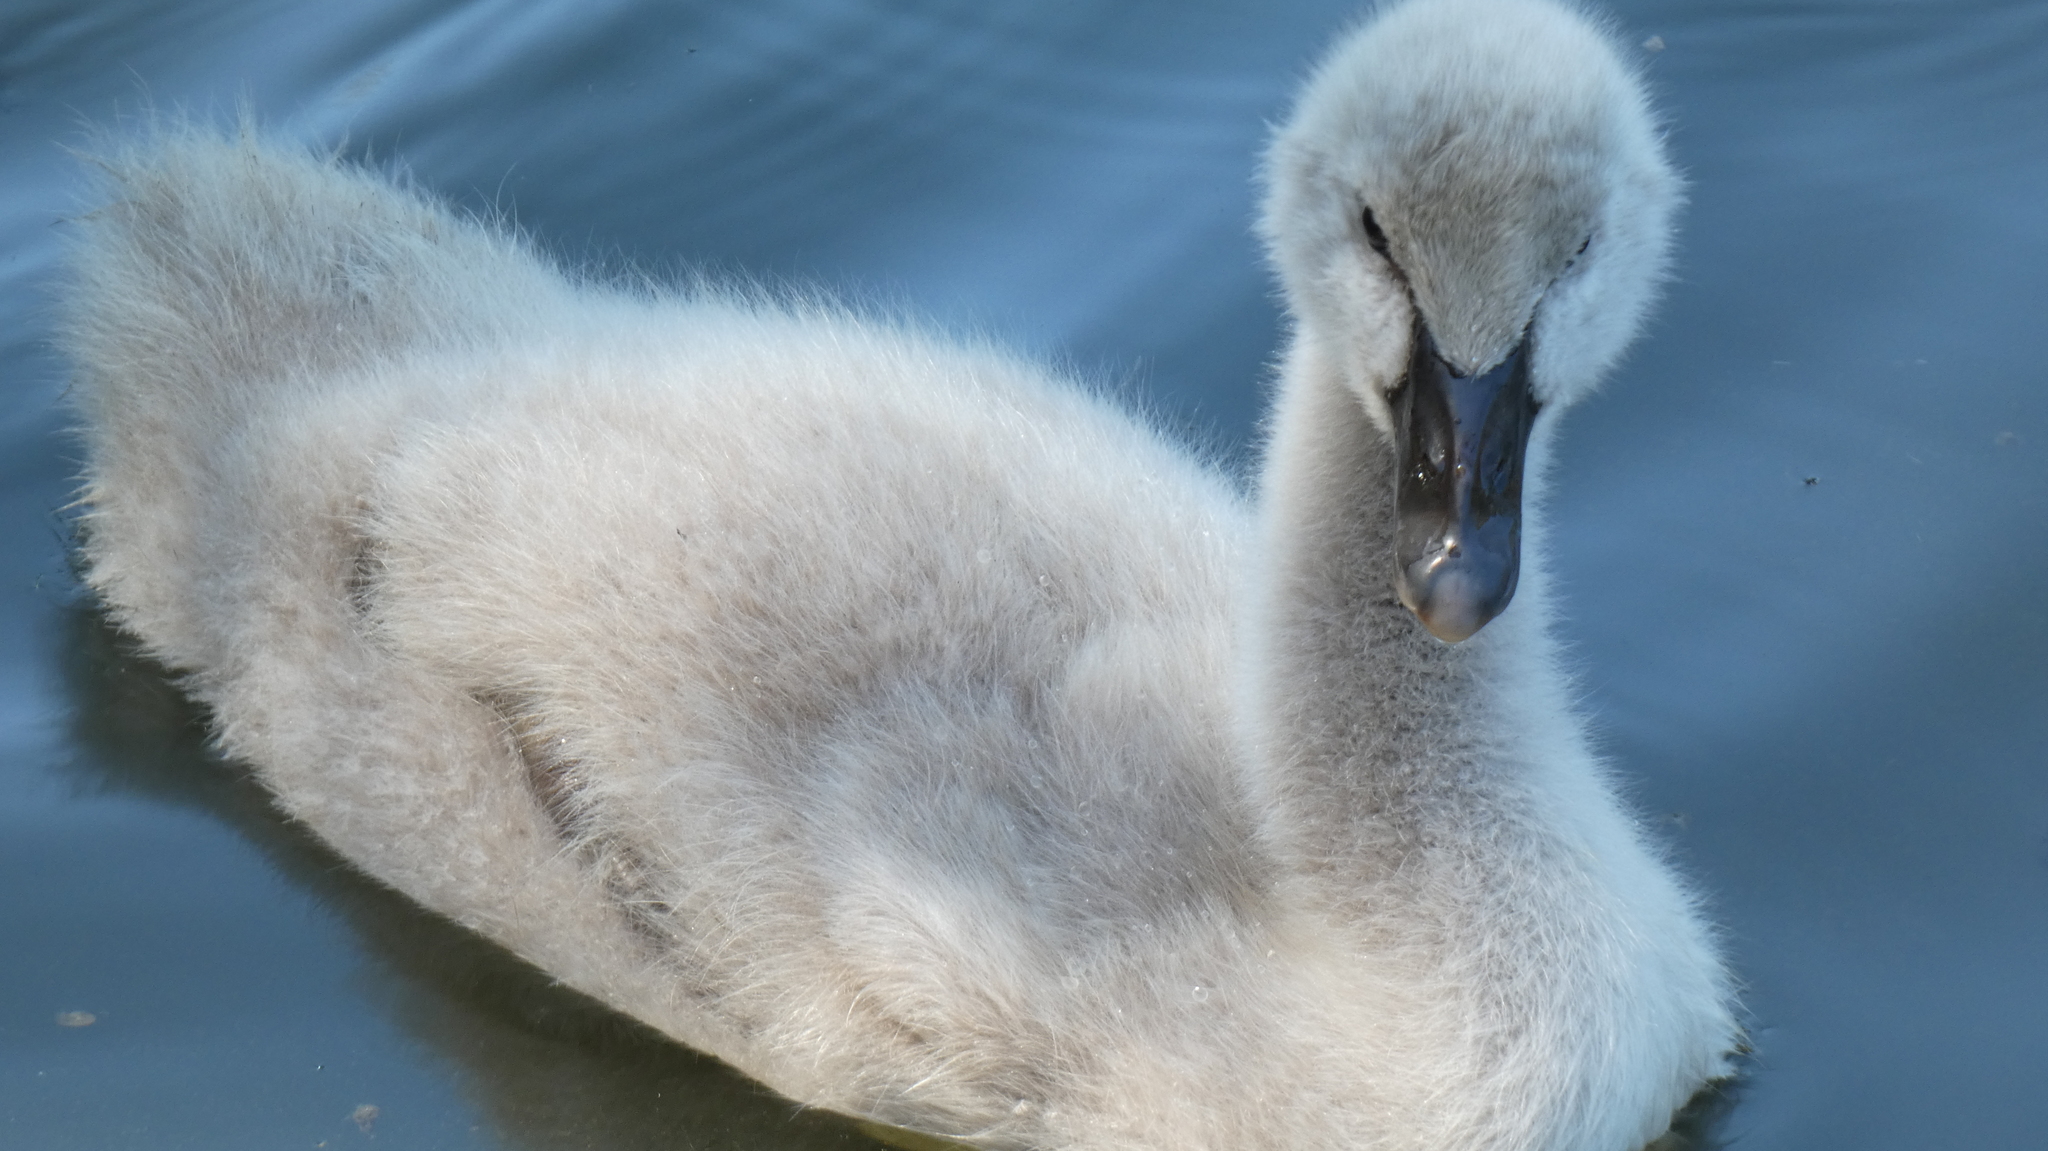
[1373,739]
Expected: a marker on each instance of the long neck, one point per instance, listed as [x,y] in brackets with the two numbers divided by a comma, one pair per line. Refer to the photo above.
[1375,739]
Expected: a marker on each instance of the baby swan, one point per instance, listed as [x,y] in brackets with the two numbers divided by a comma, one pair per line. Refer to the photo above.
[897,721]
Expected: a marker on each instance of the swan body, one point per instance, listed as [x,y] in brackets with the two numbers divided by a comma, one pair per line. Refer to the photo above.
[889,716]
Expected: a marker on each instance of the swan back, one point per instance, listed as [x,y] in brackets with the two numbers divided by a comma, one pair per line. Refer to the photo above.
[217,283]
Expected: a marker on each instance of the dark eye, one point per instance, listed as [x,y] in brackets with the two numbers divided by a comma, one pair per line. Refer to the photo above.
[1373,235]
[1583,245]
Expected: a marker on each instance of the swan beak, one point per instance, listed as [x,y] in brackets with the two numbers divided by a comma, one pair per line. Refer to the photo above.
[1458,499]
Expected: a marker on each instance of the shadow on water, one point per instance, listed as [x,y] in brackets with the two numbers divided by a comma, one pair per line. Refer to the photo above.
[1704,1123]
[548,1068]
[551,1069]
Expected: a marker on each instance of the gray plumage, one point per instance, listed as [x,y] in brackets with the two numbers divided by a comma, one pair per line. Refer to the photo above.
[883,713]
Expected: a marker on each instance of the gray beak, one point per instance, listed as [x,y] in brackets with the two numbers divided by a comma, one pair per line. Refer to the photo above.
[1458,499]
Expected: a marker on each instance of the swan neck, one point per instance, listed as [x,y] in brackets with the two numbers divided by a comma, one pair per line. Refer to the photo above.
[1368,729]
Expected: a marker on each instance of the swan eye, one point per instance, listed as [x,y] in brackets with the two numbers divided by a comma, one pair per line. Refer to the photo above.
[1583,245]
[1374,236]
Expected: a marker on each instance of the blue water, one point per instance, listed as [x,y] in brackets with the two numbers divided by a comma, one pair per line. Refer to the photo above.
[1804,536]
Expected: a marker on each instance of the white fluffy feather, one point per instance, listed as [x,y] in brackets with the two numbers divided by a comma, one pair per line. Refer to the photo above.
[889,716]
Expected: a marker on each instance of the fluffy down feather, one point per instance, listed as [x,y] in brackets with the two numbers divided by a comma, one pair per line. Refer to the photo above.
[888,715]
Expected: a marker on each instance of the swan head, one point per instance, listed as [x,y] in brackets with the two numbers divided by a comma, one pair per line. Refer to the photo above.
[1470,211]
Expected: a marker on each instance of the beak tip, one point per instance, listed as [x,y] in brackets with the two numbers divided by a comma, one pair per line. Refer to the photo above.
[1450,604]
[1451,631]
